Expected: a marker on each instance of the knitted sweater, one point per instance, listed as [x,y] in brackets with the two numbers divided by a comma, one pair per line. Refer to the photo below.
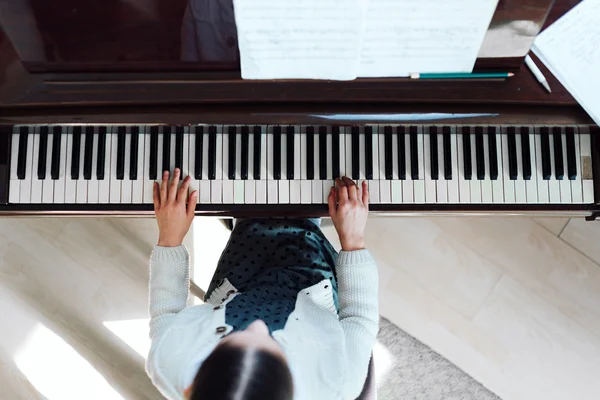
[327,353]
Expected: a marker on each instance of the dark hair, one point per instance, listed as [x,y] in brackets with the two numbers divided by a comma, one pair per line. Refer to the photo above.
[232,372]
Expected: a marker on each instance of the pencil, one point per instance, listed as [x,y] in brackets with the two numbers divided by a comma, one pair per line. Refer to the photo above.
[460,75]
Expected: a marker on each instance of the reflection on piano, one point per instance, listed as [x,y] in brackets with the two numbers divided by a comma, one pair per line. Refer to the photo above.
[95,168]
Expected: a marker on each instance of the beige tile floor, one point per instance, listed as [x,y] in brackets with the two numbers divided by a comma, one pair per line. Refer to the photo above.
[513,302]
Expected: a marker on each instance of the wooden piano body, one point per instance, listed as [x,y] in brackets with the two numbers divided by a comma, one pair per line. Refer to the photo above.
[114,64]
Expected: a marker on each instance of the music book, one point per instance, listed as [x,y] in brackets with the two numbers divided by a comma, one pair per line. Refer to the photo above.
[570,48]
[346,39]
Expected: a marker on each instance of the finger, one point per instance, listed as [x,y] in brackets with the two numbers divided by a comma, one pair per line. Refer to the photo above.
[156,196]
[163,187]
[352,188]
[191,206]
[331,201]
[174,185]
[365,194]
[182,193]
[342,192]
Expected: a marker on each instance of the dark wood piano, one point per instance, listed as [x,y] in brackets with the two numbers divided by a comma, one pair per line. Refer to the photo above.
[98,97]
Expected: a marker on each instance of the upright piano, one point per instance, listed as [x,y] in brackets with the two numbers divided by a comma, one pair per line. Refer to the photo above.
[97,99]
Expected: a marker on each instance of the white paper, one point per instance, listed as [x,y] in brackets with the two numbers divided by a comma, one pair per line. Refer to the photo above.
[406,36]
[300,39]
[570,48]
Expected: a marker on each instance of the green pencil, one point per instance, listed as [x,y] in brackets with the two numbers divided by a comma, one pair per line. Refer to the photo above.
[461,75]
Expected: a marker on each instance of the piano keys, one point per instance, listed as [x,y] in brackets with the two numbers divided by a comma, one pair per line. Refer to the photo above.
[297,164]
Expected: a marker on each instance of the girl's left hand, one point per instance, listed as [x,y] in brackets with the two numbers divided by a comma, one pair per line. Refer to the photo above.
[173,217]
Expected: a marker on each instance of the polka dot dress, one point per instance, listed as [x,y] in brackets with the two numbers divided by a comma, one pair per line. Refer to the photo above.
[269,261]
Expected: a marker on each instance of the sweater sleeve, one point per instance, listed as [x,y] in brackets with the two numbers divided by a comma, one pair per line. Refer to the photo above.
[169,285]
[358,286]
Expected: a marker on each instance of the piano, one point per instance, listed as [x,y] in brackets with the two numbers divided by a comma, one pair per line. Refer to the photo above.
[84,133]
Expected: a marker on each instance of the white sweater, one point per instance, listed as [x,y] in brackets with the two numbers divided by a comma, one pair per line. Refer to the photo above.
[328,354]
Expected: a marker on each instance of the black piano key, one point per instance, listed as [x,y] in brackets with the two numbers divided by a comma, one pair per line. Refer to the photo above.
[231,148]
[493,150]
[414,153]
[335,158]
[466,137]
[76,152]
[526,152]
[166,159]
[277,153]
[369,152]
[56,142]
[42,153]
[323,153]
[153,152]
[571,155]
[198,151]
[22,158]
[257,151]
[479,153]
[212,152]
[388,147]
[355,151]
[133,154]
[401,130]
[88,153]
[310,153]
[101,160]
[559,168]
[447,153]
[546,165]
[512,153]
[433,153]
[290,152]
[179,147]
[121,132]
[245,151]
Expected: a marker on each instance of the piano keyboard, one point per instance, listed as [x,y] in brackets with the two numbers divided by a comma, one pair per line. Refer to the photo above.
[421,164]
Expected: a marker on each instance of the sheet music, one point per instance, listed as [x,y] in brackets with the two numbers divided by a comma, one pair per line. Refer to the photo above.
[570,48]
[405,36]
[300,39]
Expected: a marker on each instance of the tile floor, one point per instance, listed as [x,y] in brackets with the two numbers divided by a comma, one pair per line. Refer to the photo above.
[513,302]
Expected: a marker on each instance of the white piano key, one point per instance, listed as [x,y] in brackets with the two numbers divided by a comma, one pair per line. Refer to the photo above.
[225,156]
[565,183]
[395,156]
[430,185]
[261,191]
[228,191]
[385,191]
[553,185]
[442,183]
[137,190]
[486,184]
[70,184]
[93,184]
[115,184]
[204,184]
[585,146]
[283,190]
[36,184]
[251,156]
[189,149]
[295,188]
[159,157]
[419,185]
[531,186]
[126,184]
[239,191]
[509,185]
[82,183]
[362,152]
[453,184]
[317,191]
[346,154]
[329,159]
[408,185]
[464,186]
[306,191]
[269,155]
[250,192]
[263,157]
[375,146]
[205,156]
[147,197]
[543,191]
[283,151]
[216,185]
[297,156]
[475,184]
[59,184]
[520,189]
[396,187]
[327,185]
[498,184]
[272,192]
[238,155]
[185,162]
[576,185]
[14,189]
[303,154]
[385,186]
[173,149]
[374,191]
[48,183]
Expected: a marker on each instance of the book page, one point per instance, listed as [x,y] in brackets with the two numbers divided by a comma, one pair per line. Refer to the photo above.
[405,36]
[570,48]
[300,39]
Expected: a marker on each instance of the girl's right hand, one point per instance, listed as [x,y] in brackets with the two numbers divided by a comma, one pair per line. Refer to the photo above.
[348,209]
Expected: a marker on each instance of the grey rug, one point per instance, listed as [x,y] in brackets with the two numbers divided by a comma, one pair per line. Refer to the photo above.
[419,373]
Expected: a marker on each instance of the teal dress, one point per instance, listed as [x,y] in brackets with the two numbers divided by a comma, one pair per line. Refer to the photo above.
[269,261]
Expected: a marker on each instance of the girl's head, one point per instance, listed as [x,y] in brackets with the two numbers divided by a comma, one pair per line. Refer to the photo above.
[246,365]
